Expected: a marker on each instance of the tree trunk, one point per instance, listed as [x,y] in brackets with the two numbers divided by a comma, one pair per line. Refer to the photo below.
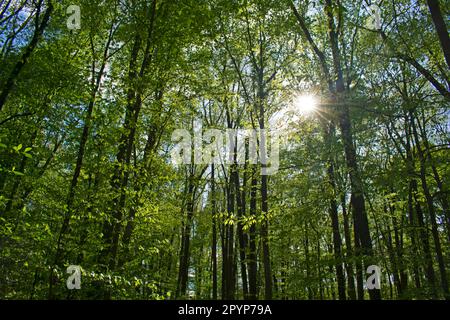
[337,242]
[429,199]
[241,236]
[356,184]
[214,234]
[252,260]
[96,80]
[443,193]
[183,273]
[308,264]
[119,181]
[349,255]
[39,30]
[441,28]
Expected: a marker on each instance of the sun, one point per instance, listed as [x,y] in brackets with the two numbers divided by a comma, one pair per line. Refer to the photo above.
[305,104]
[300,107]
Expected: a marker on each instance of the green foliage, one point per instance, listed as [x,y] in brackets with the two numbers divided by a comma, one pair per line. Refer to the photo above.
[85,142]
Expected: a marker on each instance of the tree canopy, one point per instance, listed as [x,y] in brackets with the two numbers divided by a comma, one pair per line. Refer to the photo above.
[328,122]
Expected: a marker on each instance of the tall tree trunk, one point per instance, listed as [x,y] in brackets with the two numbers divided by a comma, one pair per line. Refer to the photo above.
[38,31]
[241,236]
[308,263]
[319,268]
[392,254]
[443,192]
[349,253]
[119,181]
[150,146]
[429,270]
[429,199]
[417,220]
[252,260]
[183,273]
[402,284]
[413,236]
[214,234]
[441,28]
[96,80]
[264,202]
[337,242]
[356,184]
[229,245]
[358,260]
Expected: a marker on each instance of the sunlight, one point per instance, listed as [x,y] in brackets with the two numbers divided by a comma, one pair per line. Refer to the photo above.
[305,104]
[285,119]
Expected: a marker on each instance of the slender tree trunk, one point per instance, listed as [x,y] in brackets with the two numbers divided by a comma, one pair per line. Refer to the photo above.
[319,267]
[349,253]
[441,28]
[431,211]
[337,242]
[252,260]
[183,273]
[356,184]
[443,193]
[413,235]
[418,219]
[358,261]
[265,241]
[264,202]
[39,30]
[308,264]
[241,236]
[429,270]
[150,146]
[214,234]
[392,255]
[119,182]
[229,245]
[96,80]
[402,283]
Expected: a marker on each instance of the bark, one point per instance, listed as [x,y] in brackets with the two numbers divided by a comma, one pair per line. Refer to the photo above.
[349,253]
[429,270]
[96,80]
[119,181]
[361,226]
[252,257]
[214,234]
[15,72]
[443,193]
[337,241]
[441,28]
[241,236]
[402,282]
[308,264]
[150,146]
[183,273]
[417,219]
[412,228]
[357,197]
[413,236]
[358,260]
[431,210]
[392,255]
[264,202]
[228,263]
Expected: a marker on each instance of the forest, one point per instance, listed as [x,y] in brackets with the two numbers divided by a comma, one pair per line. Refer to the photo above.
[224,149]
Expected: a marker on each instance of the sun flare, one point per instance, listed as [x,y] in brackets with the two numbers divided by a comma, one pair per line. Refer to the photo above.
[305,104]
